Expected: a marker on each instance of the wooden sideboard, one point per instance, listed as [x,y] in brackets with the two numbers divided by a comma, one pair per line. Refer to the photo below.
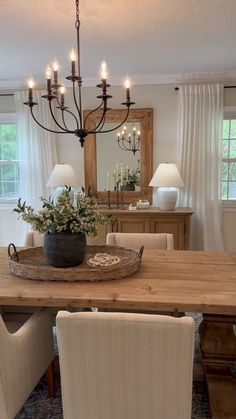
[151,220]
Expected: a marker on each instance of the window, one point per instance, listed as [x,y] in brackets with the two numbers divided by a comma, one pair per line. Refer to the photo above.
[9,160]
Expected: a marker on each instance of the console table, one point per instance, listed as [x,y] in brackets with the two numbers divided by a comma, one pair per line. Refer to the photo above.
[151,220]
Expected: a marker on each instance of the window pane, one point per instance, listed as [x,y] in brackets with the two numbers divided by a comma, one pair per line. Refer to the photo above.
[232,171]
[232,190]
[9,172]
[226,129]
[9,150]
[224,174]
[9,190]
[233,128]
[232,146]
[8,132]
[224,190]
[225,149]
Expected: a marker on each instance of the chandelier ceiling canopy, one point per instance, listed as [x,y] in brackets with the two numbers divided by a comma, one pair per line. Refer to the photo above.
[56,95]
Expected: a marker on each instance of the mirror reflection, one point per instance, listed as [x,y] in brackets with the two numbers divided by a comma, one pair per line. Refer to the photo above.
[106,164]
[115,165]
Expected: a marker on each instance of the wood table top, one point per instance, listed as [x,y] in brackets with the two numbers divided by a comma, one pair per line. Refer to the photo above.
[178,280]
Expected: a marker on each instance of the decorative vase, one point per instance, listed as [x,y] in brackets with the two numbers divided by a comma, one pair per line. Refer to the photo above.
[128,187]
[64,249]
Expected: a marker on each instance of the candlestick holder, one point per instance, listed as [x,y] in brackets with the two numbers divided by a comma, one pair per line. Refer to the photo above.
[121,197]
[108,199]
[117,195]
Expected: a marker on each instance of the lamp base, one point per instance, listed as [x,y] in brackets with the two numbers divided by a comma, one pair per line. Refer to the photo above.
[167,198]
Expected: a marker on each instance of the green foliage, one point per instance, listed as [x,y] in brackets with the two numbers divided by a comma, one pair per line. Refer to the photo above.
[82,217]
[133,177]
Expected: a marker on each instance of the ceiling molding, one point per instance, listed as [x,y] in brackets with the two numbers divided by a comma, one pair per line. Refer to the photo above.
[145,79]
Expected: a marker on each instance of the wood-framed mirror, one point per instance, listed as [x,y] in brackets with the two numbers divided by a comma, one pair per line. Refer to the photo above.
[102,155]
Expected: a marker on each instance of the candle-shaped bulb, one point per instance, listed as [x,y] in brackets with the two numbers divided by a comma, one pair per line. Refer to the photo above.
[72,54]
[48,72]
[62,91]
[55,71]
[55,65]
[104,70]
[31,85]
[127,83]
[72,58]
[127,86]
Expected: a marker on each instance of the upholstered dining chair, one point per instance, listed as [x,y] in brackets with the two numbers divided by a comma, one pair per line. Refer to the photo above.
[162,241]
[136,240]
[34,239]
[129,366]
[26,353]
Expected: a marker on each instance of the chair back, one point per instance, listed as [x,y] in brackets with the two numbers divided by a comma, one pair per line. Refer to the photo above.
[136,240]
[26,350]
[125,365]
[34,239]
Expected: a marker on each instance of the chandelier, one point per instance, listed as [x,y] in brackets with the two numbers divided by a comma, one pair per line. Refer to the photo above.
[56,94]
[129,142]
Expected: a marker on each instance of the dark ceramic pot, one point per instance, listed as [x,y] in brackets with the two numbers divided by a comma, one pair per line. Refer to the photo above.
[128,187]
[64,249]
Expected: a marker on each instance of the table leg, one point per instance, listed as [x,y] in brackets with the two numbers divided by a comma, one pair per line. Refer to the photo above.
[218,347]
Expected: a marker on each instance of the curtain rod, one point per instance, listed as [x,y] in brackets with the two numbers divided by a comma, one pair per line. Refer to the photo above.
[6,94]
[225,87]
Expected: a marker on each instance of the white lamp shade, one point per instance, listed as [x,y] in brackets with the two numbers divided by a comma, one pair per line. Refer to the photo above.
[167,175]
[63,174]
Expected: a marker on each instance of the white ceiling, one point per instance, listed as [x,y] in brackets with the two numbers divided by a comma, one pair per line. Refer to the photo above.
[149,39]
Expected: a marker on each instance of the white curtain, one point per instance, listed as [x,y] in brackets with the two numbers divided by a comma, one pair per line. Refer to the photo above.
[37,149]
[199,161]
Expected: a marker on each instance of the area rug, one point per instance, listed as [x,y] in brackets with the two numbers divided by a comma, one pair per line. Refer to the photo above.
[40,406]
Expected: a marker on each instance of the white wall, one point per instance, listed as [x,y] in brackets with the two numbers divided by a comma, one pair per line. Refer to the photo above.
[164,101]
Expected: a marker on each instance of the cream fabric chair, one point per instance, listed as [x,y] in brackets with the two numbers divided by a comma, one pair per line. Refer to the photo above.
[136,240]
[34,239]
[125,366]
[26,352]
[164,241]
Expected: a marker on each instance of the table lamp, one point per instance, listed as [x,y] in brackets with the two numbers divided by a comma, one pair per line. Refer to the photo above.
[63,174]
[167,179]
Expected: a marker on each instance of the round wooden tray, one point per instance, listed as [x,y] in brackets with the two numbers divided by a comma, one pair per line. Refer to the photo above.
[30,263]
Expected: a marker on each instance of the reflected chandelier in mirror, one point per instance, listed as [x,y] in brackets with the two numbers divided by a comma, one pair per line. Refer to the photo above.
[106,164]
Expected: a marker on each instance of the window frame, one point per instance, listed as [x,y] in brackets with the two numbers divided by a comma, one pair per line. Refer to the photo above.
[8,117]
[229,205]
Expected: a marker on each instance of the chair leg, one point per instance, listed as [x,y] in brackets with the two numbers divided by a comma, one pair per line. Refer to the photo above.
[50,378]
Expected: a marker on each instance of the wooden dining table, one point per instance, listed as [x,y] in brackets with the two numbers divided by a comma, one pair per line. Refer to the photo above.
[176,281]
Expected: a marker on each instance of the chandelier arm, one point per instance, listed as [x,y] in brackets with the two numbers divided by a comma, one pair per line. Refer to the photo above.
[48,129]
[118,126]
[76,103]
[102,121]
[63,119]
[122,146]
[95,130]
[54,119]
[94,110]
[71,113]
